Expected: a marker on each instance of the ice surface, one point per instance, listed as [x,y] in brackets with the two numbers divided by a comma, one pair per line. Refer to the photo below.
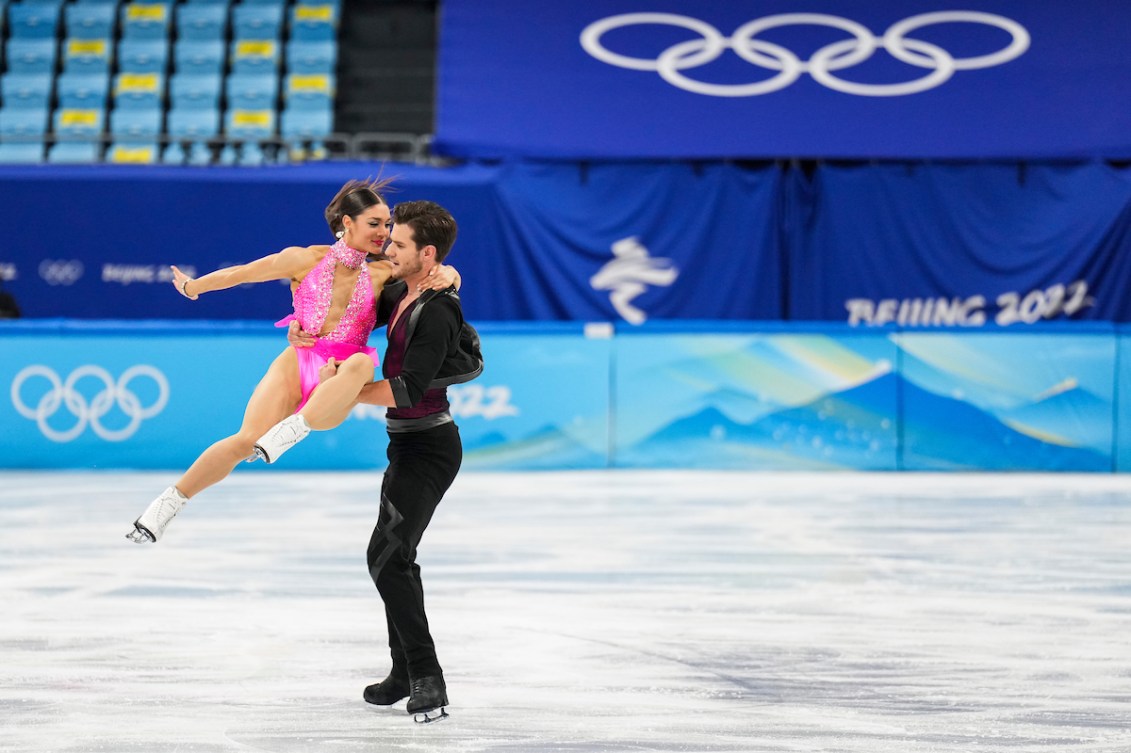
[576,612]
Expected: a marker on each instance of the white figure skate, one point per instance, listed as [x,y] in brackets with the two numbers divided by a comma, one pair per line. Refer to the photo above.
[282,437]
[152,524]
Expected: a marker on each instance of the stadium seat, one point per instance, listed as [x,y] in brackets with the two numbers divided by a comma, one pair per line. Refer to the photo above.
[257,21]
[87,55]
[82,127]
[252,91]
[311,57]
[145,20]
[250,124]
[89,20]
[33,21]
[313,22]
[306,124]
[195,92]
[23,122]
[174,154]
[199,57]
[193,125]
[202,22]
[139,90]
[143,55]
[22,132]
[194,128]
[30,55]
[133,153]
[26,90]
[21,152]
[308,91]
[73,152]
[82,91]
[135,125]
[254,56]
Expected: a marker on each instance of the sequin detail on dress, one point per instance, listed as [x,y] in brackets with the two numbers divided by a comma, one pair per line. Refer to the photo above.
[312,298]
[312,303]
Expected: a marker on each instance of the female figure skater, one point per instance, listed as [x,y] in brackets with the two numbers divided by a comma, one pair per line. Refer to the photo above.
[335,291]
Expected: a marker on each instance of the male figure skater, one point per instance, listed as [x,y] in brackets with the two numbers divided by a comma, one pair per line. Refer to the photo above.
[429,348]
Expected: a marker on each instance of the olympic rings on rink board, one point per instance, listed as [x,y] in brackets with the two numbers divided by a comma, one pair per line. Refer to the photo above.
[693,53]
[63,393]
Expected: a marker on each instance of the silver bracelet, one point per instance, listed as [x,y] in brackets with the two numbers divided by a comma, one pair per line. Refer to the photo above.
[184,288]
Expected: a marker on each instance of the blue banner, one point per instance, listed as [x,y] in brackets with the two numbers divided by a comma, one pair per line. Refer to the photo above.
[765,78]
[959,245]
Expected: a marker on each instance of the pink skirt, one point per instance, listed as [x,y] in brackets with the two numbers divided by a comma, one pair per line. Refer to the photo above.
[311,359]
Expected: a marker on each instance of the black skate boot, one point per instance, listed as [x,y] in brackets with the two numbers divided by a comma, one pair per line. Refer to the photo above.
[428,699]
[387,692]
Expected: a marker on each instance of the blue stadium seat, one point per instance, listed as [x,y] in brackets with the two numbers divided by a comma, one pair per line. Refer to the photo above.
[311,57]
[306,124]
[145,20]
[313,22]
[82,91]
[74,152]
[254,56]
[83,127]
[308,91]
[30,55]
[89,20]
[139,90]
[87,55]
[193,125]
[195,92]
[252,91]
[249,124]
[136,125]
[133,153]
[143,55]
[202,22]
[23,122]
[174,154]
[23,91]
[33,21]
[192,56]
[257,21]
[21,152]
[22,133]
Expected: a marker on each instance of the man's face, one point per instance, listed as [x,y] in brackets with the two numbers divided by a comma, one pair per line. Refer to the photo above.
[406,258]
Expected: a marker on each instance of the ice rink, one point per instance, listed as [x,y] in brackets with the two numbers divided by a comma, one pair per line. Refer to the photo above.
[576,612]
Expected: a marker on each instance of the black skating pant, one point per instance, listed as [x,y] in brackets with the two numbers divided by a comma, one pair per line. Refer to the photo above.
[422,465]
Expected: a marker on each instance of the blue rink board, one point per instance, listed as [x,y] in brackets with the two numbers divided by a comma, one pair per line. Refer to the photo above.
[125,395]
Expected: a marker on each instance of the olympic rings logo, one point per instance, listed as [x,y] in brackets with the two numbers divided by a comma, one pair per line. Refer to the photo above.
[832,57]
[114,393]
[60,272]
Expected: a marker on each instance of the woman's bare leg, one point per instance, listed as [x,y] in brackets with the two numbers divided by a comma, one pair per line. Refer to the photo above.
[332,401]
[273,399]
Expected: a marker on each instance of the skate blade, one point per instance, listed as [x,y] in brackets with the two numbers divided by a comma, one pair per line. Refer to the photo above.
[258,454]
[140,536]
[428,716]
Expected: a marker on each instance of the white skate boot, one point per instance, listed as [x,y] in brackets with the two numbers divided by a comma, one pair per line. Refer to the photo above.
[282,437]
[161,511]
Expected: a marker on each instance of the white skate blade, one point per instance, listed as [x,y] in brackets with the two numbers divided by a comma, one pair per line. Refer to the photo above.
[140,536]
[428,716]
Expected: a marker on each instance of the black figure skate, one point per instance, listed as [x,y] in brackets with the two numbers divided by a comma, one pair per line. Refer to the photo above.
[428,699]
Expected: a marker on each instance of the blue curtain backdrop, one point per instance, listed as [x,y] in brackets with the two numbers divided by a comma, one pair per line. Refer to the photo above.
[910,244]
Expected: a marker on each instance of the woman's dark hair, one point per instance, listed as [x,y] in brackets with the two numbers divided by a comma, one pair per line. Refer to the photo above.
[354,198]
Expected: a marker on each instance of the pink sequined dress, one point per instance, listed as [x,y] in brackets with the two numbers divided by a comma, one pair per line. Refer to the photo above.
[312,303]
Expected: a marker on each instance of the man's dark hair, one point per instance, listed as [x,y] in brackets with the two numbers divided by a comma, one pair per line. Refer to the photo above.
[431,224]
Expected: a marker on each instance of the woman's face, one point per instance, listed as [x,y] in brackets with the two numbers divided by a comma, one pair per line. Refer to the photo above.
[368,231]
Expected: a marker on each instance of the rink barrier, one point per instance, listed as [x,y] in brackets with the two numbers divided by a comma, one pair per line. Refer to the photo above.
[710,395]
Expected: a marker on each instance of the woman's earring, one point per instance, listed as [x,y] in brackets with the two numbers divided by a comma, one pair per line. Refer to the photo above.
[340,234]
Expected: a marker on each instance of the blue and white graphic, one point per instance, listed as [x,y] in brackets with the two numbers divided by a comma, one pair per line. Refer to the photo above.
[629,274]
[786,66]
[702,79]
